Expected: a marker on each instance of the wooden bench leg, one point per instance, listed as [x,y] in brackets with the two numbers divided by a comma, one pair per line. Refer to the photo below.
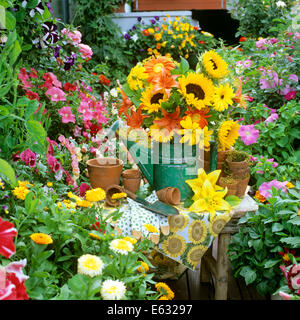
[205,274]
[222,267]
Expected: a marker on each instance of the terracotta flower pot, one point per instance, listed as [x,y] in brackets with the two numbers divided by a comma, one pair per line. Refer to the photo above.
[132,179]
[242,186]
[238,169]
[104,172]
[110,191]
[169,195]
[231,187]
[221,156]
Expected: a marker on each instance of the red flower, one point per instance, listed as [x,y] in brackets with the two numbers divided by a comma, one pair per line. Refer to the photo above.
[7,232]
[242,39]
[32,95]
[83,188]
[104,80]
[201,41]
[285,255]
[69,86]
[96,226]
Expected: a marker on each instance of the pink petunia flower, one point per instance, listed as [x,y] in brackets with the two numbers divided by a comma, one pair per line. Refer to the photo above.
[248,134]
[271,118]
[85,110]
[67,115]
[28,157]
[267,186]
[290,95]
[51,80]
[7,232]
[56,94]
[85,50]
[23,76]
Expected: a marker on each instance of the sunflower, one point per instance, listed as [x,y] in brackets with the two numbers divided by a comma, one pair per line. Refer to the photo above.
[195,254]
[160,134]
[228,134]
[197,89]
[136,77]
[223,97]
[217,224]
[151,100]
[197,231]
[174,246]
[214,65]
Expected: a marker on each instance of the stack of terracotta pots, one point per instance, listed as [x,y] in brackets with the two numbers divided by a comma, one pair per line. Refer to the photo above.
[132,179]
[169,195]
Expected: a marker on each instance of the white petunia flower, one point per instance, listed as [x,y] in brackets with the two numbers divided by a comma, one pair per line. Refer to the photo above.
[280,4]
[113,290]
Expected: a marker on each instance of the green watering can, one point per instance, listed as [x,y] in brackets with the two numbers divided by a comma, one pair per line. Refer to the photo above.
[163,165]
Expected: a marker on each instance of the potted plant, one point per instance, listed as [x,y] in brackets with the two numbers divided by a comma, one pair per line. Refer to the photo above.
[230,183]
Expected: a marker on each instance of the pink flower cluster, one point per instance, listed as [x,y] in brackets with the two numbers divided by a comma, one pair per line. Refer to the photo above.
[248,134]
[29,158]
[266,187]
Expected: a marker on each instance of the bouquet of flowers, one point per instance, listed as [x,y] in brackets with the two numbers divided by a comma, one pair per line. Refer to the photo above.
[170,101]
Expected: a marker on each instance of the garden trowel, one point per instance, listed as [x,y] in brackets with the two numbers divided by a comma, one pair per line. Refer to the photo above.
[156,207]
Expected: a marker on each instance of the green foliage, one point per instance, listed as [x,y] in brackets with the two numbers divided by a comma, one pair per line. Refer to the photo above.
[254,250]
[103,36]
[259,18]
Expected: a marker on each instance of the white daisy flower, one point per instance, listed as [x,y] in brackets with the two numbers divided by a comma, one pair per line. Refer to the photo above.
[113,290]
[121,246]
[90,265]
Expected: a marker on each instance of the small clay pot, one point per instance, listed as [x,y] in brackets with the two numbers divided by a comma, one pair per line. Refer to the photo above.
[132,184]
[242,186]
[131,173]
[231,187]
[169,195]
[221,156]
[104,172]
[112,189]
[234,166]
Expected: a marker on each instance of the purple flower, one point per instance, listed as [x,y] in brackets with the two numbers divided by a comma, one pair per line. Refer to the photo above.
[153,21]
[271,118]
[253,158]
[56,51]
[139,19]
[156,18]
[248,134]
[127,36]
[267,186]
[70,62]
[49,7]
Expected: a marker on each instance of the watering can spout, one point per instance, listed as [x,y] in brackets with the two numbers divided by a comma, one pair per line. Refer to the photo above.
[140,154]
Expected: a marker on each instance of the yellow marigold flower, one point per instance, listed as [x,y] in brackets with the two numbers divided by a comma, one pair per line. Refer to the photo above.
[136,77]
[20,192]
[150,228]
[118,195]
[49,184]
[157,36]
[162,287]
[260,197]
[143,268]
[41,238]
[95,236]
[163,297]
[130,239]
[84,203]
[151,30]
[290,185]
[24,184]
[95,195]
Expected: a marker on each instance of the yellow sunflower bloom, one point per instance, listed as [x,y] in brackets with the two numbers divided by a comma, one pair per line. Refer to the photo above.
[223,97]
[160,134]
[210,200]
[228,134]
[197,89]
[151,100]
[214,65]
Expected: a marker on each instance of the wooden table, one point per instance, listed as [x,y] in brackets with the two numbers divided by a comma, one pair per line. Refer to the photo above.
[219,268]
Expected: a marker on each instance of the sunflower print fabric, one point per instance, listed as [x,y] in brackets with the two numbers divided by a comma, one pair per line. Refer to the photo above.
[188,235]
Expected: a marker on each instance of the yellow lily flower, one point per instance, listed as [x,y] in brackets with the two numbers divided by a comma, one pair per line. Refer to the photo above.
[196,184]
[210,200]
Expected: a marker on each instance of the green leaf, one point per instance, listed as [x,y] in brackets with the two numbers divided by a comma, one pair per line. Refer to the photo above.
[272,262]
[277,227]
[248,274]
[233,200]
[15,52]
[8,172]
[293,241]
[10,21]
[295,221]
[37,133]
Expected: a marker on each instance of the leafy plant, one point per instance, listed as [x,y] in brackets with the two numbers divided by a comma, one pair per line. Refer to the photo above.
[254,250]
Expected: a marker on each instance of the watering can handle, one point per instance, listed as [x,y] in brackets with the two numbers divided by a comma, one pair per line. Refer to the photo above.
[113,128]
